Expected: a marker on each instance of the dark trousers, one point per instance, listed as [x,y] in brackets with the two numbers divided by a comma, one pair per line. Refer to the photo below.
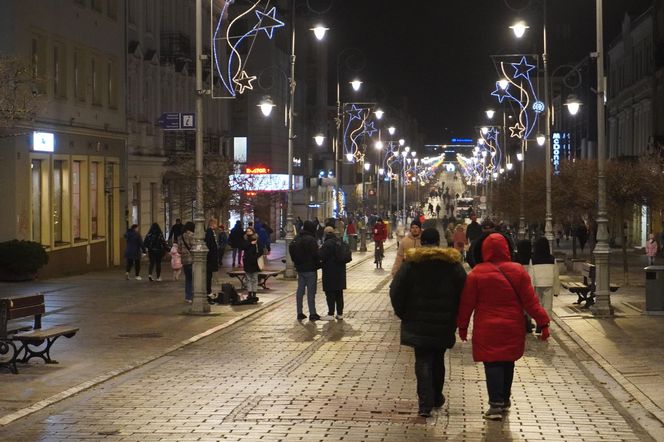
[499,376]
[430,374]
[208,281]
[188,281]
[335,298]
[155,262]
[136,263]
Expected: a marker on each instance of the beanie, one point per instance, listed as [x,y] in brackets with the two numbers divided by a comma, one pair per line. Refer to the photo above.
[416,222]
[430,237]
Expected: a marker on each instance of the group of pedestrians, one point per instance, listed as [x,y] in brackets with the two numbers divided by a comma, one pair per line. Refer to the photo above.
[433,297]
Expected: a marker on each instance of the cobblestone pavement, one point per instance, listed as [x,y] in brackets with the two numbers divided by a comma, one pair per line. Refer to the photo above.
[271,378]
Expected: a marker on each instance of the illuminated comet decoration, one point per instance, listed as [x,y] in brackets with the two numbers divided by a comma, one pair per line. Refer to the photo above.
[520,91]
[231,71]
[357,127]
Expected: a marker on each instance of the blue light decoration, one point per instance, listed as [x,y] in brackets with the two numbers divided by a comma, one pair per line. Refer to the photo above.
[521,91]
[462,140]
[356,126]
[231,72]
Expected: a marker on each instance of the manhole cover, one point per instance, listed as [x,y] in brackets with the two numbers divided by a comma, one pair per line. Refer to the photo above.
[140,335]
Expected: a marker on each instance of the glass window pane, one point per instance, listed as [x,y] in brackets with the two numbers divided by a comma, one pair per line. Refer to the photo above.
[36,197]
[58,217]
[94,199]
[76,199]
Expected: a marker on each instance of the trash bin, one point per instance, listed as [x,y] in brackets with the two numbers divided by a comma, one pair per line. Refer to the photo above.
[352,242]
[655,289]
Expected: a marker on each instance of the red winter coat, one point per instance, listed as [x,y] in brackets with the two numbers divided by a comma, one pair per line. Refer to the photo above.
[379,232]
[498,324]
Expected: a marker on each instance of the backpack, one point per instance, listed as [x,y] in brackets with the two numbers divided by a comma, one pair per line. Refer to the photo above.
[342,253]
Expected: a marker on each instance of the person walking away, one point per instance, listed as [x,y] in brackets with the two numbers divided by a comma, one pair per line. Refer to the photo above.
[133,251]
[437,210]
[176,231]
[235,239]
[222,240]
[304,253]
[459,238]
[425,295]
[651,249]
[334,274]
[185,247]
[156,244]
[253,249]
[411,240]
[473,230]
[379,233]
[496,292]
[212,261]
[545,276]
[176,262]
[582,235]
[524,256]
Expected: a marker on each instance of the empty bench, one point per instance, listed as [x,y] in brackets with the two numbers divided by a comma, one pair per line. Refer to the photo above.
[20,344]
[585,291]
[263,276]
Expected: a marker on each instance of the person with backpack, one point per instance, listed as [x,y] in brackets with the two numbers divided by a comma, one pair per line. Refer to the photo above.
[156,244]
[334,255]
[303,251]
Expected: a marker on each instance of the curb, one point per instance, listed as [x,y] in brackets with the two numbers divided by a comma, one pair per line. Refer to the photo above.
[23,412]
[653,411]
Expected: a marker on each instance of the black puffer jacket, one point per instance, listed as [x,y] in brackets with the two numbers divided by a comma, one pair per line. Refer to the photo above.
[425,295]
[304,249]
[334,272]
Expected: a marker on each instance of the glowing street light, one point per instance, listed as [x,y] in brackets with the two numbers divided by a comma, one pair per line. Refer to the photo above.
[573,104]
[519,156]
[266,105]
[503,83]
[490,113]
[391,130]
[541,139]
[402,142]
[319,31]
[379,114]
[356,84]
[349,157]
[367,166]
[320,139]
[485,130]
[519,29]
[378,145]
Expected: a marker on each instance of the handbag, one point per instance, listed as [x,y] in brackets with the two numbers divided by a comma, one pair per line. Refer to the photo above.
[260,260]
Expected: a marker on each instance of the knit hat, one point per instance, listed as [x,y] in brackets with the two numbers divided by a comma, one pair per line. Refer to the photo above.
[416,222]
[430,237]
[328,229]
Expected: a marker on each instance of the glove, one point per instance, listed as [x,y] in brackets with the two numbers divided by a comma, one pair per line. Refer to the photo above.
[463,334]
[545,333]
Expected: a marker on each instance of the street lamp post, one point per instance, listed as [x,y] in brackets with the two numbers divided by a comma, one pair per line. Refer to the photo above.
[290,233]
[199,304]
[602,306]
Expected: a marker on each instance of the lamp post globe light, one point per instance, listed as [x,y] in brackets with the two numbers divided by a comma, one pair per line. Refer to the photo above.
[391,130]
[319,139]
[319,31]
[490,113]
[573,104]
[356,85]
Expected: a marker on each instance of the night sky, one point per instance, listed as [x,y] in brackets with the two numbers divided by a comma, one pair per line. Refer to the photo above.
[432,56]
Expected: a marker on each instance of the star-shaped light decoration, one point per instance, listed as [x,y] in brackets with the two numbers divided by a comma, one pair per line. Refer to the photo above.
[492,134]
[517,131]
[500,93]
[522,69]
[244,82]
[268,22]
[370,128]
[355,113]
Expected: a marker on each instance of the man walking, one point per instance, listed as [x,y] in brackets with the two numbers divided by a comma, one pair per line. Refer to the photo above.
[408,242]
[334,274]
[425,295]
[235,240]
[474,230]
[304,253]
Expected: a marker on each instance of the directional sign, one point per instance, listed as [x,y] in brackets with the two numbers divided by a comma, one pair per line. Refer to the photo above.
[177,121]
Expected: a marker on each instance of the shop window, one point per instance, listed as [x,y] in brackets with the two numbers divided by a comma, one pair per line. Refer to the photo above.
[79,202]
[38,201]
[60,203]
[97,200]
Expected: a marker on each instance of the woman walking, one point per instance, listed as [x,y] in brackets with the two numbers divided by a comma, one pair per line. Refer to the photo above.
[545,275]
[133,251]
[498,291]
[156,245]
[459,239]
[253,249]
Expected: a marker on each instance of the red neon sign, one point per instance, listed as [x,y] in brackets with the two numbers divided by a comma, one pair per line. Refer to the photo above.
[257,170]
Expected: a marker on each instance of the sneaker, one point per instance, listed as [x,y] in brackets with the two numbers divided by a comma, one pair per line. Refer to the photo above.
[301,316]
[424,413]
[494,413]
[314,317]
[340,317]
[127,276]
[150,278]
[327,318]
[507,405]
[138,278]
[159,279]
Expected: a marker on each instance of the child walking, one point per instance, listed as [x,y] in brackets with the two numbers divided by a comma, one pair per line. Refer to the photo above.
[176,262]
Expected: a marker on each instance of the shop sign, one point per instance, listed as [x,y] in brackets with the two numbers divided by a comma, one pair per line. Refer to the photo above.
[43,142]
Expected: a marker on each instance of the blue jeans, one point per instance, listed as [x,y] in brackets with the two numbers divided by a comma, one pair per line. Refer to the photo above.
[306,280]
[188,281]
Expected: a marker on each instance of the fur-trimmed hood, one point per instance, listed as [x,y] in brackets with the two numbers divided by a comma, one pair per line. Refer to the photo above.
[421,254]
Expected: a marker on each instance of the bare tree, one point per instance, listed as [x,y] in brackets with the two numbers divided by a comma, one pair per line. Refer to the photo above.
[20,100]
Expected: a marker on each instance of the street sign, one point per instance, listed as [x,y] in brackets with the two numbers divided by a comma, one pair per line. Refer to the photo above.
[177,121]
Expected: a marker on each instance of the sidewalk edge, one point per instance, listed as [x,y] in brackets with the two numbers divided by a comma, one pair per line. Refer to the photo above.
[23,412]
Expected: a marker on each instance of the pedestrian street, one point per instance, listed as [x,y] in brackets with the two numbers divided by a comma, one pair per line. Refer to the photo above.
[269,378]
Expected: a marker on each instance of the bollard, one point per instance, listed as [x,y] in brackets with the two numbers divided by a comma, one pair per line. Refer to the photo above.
[363,239]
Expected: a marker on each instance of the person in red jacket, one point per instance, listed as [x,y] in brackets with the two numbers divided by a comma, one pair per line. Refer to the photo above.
[498,291]
[379,236]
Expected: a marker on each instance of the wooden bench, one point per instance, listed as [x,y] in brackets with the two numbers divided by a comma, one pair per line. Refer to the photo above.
[21,344]
[263,277]
[586,290]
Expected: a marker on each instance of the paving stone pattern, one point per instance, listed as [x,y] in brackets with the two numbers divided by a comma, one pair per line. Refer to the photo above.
[270,378]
